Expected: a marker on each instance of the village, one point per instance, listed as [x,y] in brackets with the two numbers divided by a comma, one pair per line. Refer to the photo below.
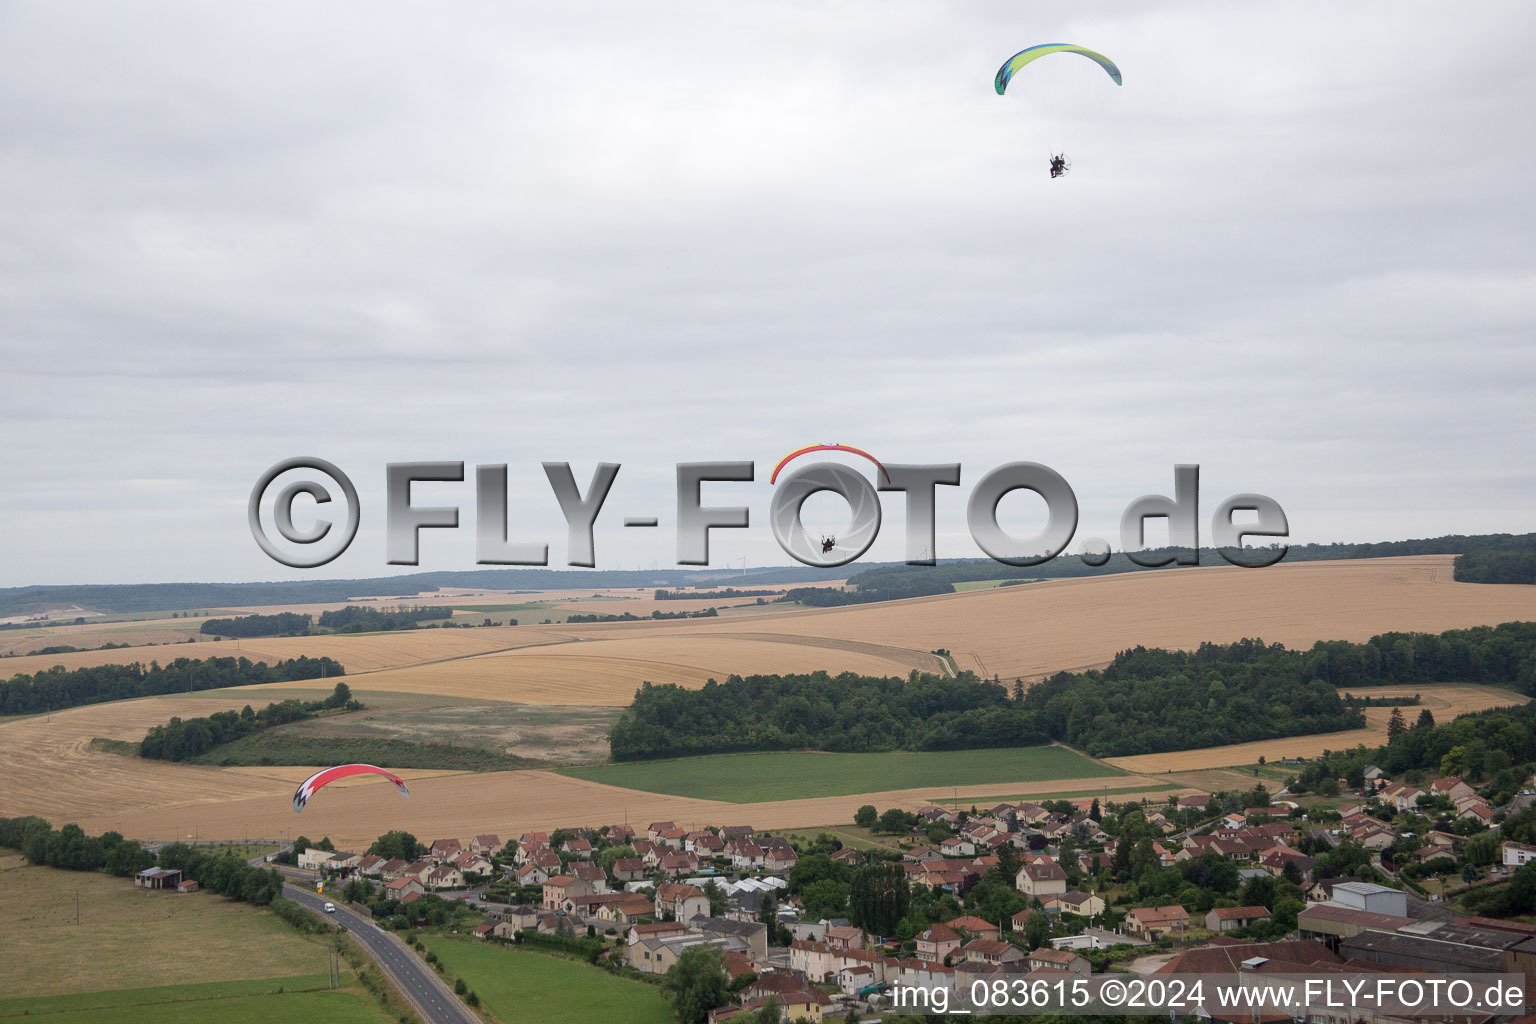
[1198,883]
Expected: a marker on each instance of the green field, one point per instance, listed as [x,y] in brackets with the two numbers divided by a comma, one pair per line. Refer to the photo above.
[525,987]
[754,778]
[303,998]
[130,938]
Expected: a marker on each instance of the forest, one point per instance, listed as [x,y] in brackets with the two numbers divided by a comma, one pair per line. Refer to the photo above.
[281,624]
[1146,701]
[357,619]
[58,688]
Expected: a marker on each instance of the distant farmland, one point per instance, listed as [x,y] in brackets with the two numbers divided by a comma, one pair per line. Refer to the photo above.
[760,777]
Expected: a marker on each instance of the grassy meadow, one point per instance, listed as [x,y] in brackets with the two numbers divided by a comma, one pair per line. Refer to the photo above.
[789,775]
[303,999]
[522,987]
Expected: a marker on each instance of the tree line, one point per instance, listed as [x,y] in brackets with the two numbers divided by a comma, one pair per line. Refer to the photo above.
[357,619]
[707,613]
[70,849]
[180,740]
[58,688]
[693,595]
[880,588]
[280,624]
[1498,565]
[1479,553]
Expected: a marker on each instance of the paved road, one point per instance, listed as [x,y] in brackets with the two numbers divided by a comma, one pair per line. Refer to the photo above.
[433,999]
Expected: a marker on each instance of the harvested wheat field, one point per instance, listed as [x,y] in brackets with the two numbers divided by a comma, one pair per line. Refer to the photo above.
[89,634]
[1444,701]
[51,770]
[1070,624]
[357,652]
[509,803]
[607,672]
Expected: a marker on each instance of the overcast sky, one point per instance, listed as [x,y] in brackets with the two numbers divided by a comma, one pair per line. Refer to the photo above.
[1295,247]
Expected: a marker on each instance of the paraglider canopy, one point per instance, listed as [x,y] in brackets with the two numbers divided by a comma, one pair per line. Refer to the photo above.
[1012,65]
[310,786]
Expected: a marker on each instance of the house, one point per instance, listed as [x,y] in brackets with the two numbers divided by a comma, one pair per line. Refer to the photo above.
[1518,854]
[1230,919]
[677,864]
[1476,810]
[844,936]
[959,846]
[629,869]
[157,878]
[992,951]
[847,855]
[654,929]
[392,869]
[444,849]
[472,862]
[314,858]
[371,865]
[487,844]
[445,876]
[403,886]
[937,942]
[654,830]
[591,874]
[1083,904]
[1041,878]
[656,955]
[683,902]
[1044,959]
[730,832]
[419,869]
[1452,788]
[341,860]
[545,858]
[973,926]
[745,855]
[1157,922]
[1194,801]
[532,874]
[629,908]
[754,934]
[581,848]
[796,999]
[780,858]
[563,889]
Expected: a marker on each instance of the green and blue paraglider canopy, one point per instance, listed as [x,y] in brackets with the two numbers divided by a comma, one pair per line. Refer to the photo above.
[1012,65]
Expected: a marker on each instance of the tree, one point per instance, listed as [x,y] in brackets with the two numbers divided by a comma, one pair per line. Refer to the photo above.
[866,816]
[395,845]
[1094,812]
[893,821]
[825,898]
[1426,720]
[697,984]
[878,897]
[717,904]
[1395,725]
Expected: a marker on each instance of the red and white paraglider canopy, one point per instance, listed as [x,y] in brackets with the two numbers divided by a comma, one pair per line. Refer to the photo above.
[312,785]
